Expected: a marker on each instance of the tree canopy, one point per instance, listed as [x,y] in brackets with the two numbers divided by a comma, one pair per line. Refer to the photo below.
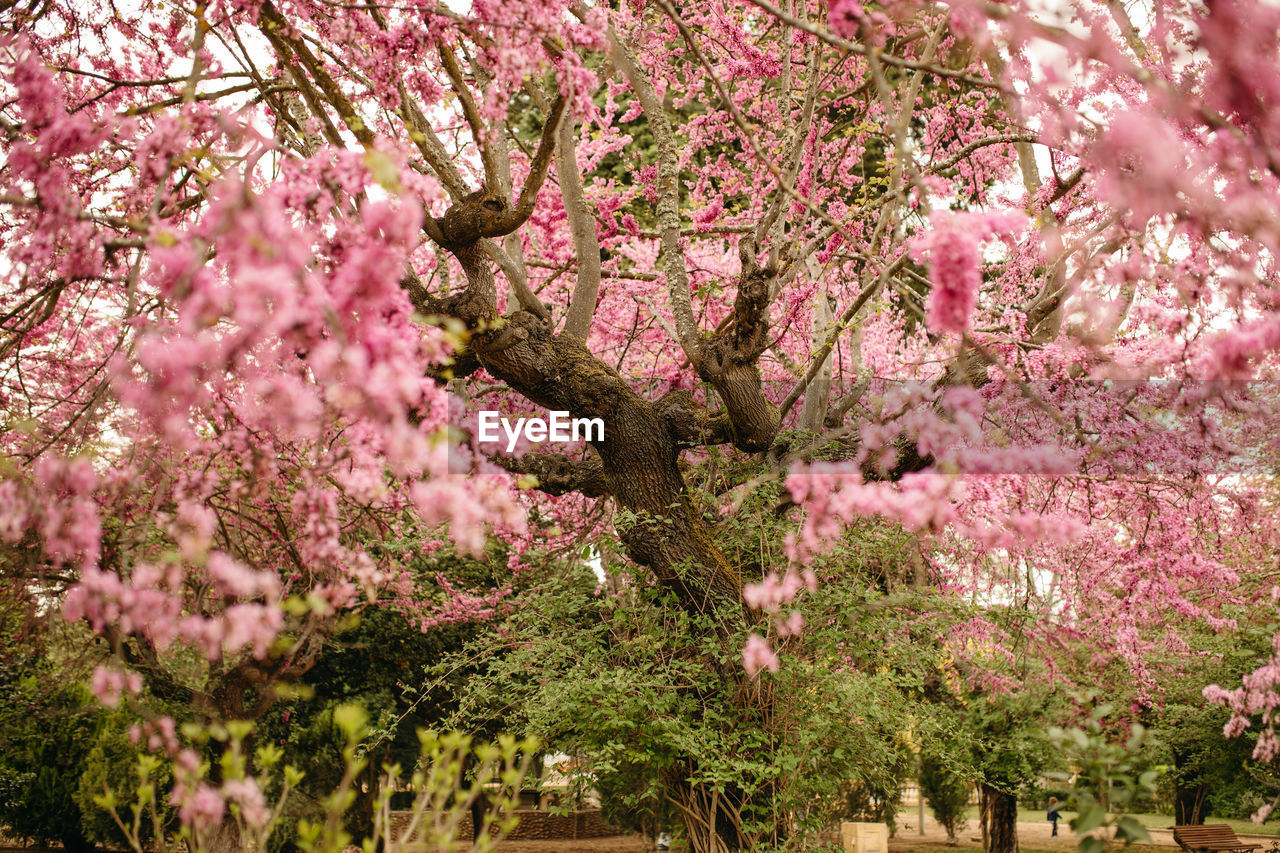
[960,309]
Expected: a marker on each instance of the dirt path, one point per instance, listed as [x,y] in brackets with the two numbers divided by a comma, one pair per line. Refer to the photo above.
[613,844]
[1035,834]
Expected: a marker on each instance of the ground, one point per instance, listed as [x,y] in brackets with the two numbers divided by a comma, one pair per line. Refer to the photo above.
[1033,835]
[636,844]
[1029,818]
[615,844]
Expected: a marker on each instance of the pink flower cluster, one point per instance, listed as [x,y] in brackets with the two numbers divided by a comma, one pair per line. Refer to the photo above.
[201,805]
[757,655]
[109,684]
[953,249]
[771,595]
[773,592]
[1258,695]
[58,505]
[151,603]
[835,494]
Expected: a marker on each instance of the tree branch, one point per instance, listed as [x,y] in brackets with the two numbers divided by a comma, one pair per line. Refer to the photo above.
[558,474]
[519,214]
[470,113]
[272,23]
[586,241]
[672,257]
[815,363]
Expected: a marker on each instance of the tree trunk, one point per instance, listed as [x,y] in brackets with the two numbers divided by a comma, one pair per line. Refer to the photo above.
[713,819]
[225,839]
[1189,805]
[638,459]
[817,396]
[639,456]
[982,814]
[1000,813]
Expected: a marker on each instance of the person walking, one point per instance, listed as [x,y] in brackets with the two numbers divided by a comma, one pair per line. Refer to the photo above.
[1053,815]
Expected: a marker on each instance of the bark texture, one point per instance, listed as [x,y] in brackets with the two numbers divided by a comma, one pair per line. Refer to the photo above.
[999,821]
[638,459]
[637,462]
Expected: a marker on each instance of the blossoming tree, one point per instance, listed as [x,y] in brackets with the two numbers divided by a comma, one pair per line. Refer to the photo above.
[994,272]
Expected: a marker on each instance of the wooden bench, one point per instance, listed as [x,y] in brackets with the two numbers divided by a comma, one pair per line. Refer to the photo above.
[1210,836]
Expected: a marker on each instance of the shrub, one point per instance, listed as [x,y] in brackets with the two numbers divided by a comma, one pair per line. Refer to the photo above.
[946,793]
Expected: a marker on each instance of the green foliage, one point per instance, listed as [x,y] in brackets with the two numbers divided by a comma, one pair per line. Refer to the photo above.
[111,768]
[1200,758]
[876,800]
[1107,780]
[378,663]
[47,729]
[443,793]
[62,755]
[648,697]
[1204,768]
[1012,745]
[993,736]
[1199,767]
[946,792]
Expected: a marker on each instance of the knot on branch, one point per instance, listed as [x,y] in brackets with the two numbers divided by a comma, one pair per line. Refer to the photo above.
[743,340]
[557,474]
[481,214]
[689,421]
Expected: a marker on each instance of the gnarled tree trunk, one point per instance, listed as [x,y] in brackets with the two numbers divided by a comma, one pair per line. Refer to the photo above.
[719,820]
[637,460]
[999,820]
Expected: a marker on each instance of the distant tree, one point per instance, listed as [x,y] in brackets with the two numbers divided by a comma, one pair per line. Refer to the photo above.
[947,794]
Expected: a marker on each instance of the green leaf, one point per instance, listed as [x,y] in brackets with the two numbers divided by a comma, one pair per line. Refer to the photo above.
[1091,845]
[383,169]
[352,719]
[1090,817]
[1131,831]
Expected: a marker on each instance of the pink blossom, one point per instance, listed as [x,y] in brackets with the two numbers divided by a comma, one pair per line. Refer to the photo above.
[237,580]
[772,591]
[791,626]
[109,684]
[844,16]
[246,794]
[707,216]
[953,249]
[201,808]
[14,514]
[757,655]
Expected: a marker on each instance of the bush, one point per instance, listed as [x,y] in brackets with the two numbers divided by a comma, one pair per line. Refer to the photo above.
[111,765]
[946,793]
[45,732]
[1037,796]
